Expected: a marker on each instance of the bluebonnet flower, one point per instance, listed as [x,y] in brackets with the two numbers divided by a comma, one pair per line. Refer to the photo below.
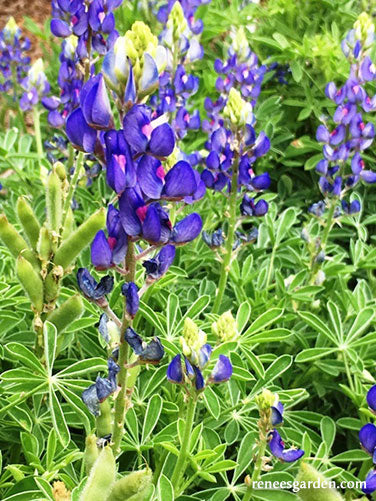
[367,438]
[14,62]
[158,266]
[130,291]
[196,356]
[90,288]
[148,353]
[213,240]
[277,448]
[107,252]
[101,389]
[344,144]
[35,85]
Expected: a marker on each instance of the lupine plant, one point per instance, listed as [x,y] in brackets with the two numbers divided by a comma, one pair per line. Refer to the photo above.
[186,313]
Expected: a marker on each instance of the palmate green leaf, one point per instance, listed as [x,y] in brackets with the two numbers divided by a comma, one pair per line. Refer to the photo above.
[269,336]
[336,321]
[263,321]
[58,419]
[81,367]
[254,362]
[165,490]
[193,312]
[172,313]
[278,367]
[313,354]
[212,402]
[361,323]
[21,353]
[315,322]
[50,342]
[51,449]
[328,431]
[146,312]
[350,456]
[242,316]
[224,465]
[153,411]
[77,406]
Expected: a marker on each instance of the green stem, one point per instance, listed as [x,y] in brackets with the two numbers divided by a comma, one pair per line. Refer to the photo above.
[271,266]
[225,268]
[72,186]
[257,470]
[122,400]
[37,132]
[181,463]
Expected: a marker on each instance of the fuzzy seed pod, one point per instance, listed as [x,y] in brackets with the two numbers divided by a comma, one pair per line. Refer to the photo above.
[104,421]
[69,311]
[68,225]
[101,478]
[31,281]
[54,202]
[91,452]
[45,244]
[79,239]
[318,493]
[132,487]
[28,220]
[14,242]
[52,284]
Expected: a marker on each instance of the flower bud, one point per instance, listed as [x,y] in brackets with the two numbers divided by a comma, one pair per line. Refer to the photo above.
[176,21]
[31,281]
[101,478]
[310,476]
[54,201]
[10,30]
[238,111]
[225,327]
[79,239]
[265,400]
[132,487]
[193,338]
[69,311]
[364,27]
[240,43]
[60,492]
[28,220]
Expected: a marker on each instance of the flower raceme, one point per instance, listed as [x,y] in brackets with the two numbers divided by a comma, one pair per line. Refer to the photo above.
[367,438]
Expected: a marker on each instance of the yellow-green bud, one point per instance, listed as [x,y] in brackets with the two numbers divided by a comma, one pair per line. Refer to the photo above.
[60,492]
[31,281]
[172,159]
[225,327]
[45,244]
[101,478]
[193,338]
[132,487]
[238,111]
[79,239]
[265,400]
[176,21]
[364,27]
[240,43]
[104,421]
[316,490]
[28,220]
[91,452]
[54,201]
[59,168]
[10,29]
[69,311]
[14,242]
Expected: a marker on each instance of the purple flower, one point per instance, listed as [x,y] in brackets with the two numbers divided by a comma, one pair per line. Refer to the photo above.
[277,414]
[277,448]
[187,229]
[158,266]
[121,172]
[370,483]
[147,136]
[249,208]
[222,370]
[371,398]
[352,207]
[90,288]
[101,389]
[175,371]
[213,240]
[95,103]
[130,291]
[109,251]
[79,133]
[367,438]
[148,353]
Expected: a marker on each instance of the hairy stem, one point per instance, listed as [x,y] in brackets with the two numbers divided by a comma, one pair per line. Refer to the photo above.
[122,400]
[37,132]
[181,463]
[225,268]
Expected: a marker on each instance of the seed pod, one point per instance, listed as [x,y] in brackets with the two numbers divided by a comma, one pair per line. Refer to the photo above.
[31,282]
[318,493]
[101,478]
[68,225]
[52,284]
[54,201]
[79,239]
[69,311]
[45,244]
[91,452]
[132,487]
[14,242]
[104,421]
[60,170]
[28,220]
